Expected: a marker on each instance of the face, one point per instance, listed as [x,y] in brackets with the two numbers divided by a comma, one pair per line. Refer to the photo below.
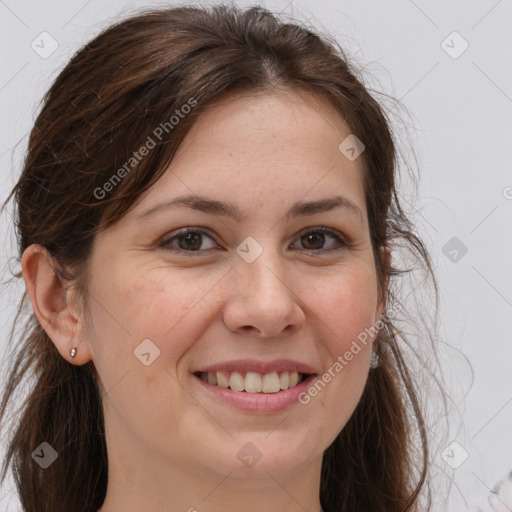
[187,288]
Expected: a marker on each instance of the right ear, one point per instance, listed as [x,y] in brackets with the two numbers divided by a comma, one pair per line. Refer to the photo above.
[53,304]
[385,255]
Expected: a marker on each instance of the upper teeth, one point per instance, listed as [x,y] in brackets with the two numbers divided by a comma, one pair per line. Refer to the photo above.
[253,382]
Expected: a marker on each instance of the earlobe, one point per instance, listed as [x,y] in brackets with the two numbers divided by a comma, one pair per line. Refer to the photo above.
[51,304]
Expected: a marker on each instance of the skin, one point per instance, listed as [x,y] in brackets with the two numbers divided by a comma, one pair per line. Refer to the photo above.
[170,446]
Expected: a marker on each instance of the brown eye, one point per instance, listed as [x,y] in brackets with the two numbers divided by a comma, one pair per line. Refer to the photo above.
[314,240]
[188,241]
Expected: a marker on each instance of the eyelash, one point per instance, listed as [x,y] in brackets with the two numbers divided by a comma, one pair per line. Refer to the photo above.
[166,242]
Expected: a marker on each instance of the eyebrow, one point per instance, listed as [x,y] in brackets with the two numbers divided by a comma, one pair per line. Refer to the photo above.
[226,209]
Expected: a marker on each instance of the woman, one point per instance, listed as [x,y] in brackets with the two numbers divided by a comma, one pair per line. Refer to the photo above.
[206,218]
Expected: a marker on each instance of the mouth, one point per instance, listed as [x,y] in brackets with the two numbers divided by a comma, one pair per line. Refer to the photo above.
[254,382]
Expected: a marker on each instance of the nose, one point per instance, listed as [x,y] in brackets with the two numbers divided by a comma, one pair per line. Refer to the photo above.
[261,299]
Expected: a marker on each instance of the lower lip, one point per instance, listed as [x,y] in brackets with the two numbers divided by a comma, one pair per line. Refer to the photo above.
[257,402]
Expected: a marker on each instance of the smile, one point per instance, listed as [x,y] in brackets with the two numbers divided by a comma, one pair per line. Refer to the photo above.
[267,400]
[253,382]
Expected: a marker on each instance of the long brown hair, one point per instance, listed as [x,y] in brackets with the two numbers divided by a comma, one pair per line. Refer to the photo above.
[103,106]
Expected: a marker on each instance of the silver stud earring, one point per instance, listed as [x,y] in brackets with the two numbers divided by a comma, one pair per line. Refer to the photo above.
[375,360]
[73,352]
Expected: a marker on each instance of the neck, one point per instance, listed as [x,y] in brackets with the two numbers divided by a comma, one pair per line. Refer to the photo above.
[142,481]
[182,491]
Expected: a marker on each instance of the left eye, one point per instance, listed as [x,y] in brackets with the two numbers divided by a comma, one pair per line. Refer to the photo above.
[190,240]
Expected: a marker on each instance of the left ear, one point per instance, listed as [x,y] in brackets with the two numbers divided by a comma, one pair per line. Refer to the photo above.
[385,257]
[54,305]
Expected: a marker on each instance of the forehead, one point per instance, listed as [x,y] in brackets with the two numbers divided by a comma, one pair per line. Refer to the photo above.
[262,151]
[286,116]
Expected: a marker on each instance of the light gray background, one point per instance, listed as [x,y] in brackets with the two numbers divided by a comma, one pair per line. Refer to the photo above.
[461,121]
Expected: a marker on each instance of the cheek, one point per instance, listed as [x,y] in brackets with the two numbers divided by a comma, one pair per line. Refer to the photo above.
[345,305]
[170,309]
[132,309]
[169,312]
[344,316]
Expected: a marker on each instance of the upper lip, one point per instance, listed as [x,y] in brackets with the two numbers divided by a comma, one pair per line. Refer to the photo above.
[255,365]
